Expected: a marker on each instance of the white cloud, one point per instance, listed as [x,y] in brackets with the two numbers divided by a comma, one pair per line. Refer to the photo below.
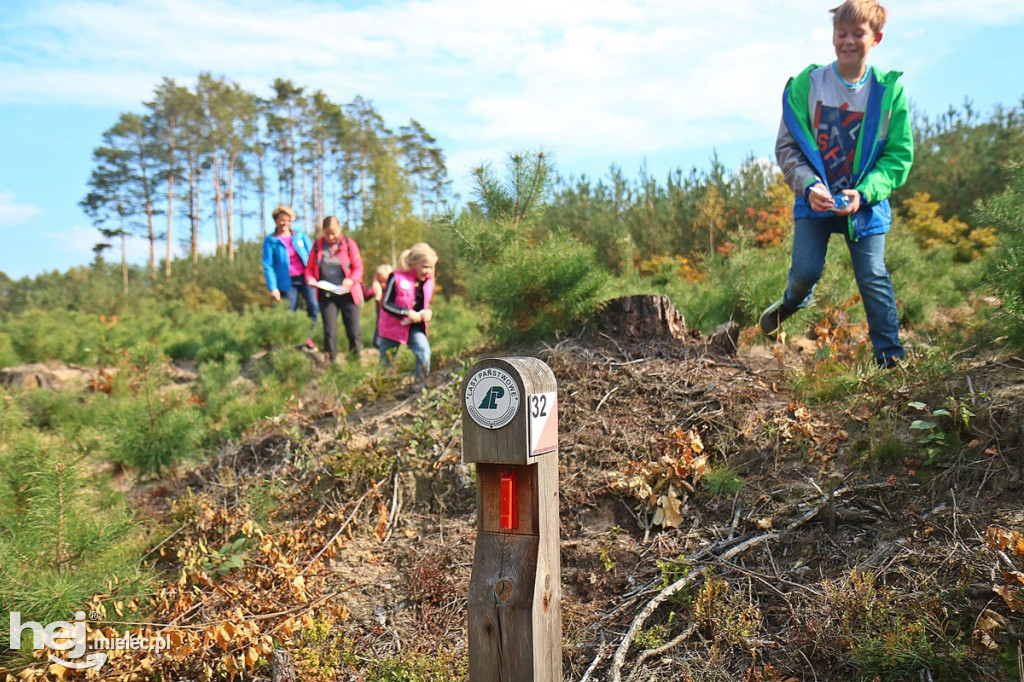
[626,77]
[13,213]
[81,239]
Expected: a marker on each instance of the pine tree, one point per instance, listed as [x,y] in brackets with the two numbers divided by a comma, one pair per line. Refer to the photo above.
[171,107]
[108,201]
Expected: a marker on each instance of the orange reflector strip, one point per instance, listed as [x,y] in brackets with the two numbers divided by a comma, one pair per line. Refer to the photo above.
[508,518]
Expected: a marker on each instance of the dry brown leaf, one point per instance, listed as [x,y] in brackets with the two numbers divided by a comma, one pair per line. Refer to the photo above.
[990,621]
[1010,596]
[1002,538]
[985,640]
[58,671]
[381,530]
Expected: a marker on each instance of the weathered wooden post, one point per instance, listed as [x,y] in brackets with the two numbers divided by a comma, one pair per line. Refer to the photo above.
[510,431]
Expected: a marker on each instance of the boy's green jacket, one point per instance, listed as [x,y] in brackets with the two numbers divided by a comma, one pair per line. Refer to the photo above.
[884,154]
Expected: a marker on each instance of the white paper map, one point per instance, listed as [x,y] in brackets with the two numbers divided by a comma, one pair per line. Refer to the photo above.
[331,288]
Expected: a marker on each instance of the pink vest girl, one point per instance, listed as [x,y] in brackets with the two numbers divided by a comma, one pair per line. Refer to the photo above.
[390,325]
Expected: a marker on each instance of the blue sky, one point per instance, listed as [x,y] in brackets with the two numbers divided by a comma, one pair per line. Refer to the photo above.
[657,83]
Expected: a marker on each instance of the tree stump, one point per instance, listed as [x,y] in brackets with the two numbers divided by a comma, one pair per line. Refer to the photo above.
[644,317]
[53,375]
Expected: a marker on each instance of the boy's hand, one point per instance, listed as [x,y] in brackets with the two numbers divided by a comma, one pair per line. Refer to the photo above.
[820,198]
[851,207]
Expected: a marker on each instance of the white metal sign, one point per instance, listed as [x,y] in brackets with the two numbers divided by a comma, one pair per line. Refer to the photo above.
[492,397]
[543,422]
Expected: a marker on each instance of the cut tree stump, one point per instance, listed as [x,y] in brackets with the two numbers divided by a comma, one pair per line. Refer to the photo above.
[52,375]
[644,316]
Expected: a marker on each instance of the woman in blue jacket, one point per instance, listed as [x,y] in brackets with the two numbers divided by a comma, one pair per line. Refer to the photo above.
[284,263]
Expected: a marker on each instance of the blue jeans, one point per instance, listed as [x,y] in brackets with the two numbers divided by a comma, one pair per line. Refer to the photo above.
[299,286]
[867,254]
[419,346]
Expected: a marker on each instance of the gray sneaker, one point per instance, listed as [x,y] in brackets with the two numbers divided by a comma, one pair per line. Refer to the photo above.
[773,316]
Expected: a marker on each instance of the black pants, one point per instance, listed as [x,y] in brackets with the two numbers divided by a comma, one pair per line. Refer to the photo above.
[330,304]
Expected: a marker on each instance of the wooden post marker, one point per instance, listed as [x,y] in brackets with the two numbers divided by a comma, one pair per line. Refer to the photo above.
[510,431]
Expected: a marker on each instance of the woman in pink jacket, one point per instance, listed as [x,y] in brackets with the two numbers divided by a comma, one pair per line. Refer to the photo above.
[405,310]
[335,269]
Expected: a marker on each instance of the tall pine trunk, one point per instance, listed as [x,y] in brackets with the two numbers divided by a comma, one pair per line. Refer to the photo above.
[218,215]
[124,257]
[193,201]
[262,194]
[170,197]
[231,202]
[147,196]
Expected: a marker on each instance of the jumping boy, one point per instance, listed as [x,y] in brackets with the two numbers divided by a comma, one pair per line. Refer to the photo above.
[845,138]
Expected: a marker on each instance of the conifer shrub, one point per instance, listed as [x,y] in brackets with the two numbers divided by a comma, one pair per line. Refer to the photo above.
[220,339]
[218,283]
[287,369]
[278,327]
[540,293]
[740,285]
[533,284]
[1005,213]
[457,329]
[8,356]
[47,409]
[735,287]
[186,349]
[38,335]
[63,534]
[152,432]
[928,278]
[155,424]
[228,401]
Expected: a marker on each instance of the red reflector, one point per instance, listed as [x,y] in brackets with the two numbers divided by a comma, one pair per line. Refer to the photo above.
[508,517]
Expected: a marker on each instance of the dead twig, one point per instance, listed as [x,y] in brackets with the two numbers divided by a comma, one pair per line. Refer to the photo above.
[606,396]
[648,653]
[597,659]
[620,653]
[342,528]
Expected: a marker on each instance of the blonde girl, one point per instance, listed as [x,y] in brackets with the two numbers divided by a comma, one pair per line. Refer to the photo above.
[405,308]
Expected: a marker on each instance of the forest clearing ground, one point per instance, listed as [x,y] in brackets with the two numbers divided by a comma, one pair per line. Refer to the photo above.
[359,524]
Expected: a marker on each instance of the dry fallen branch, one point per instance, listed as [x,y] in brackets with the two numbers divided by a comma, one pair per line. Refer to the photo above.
[620,653]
